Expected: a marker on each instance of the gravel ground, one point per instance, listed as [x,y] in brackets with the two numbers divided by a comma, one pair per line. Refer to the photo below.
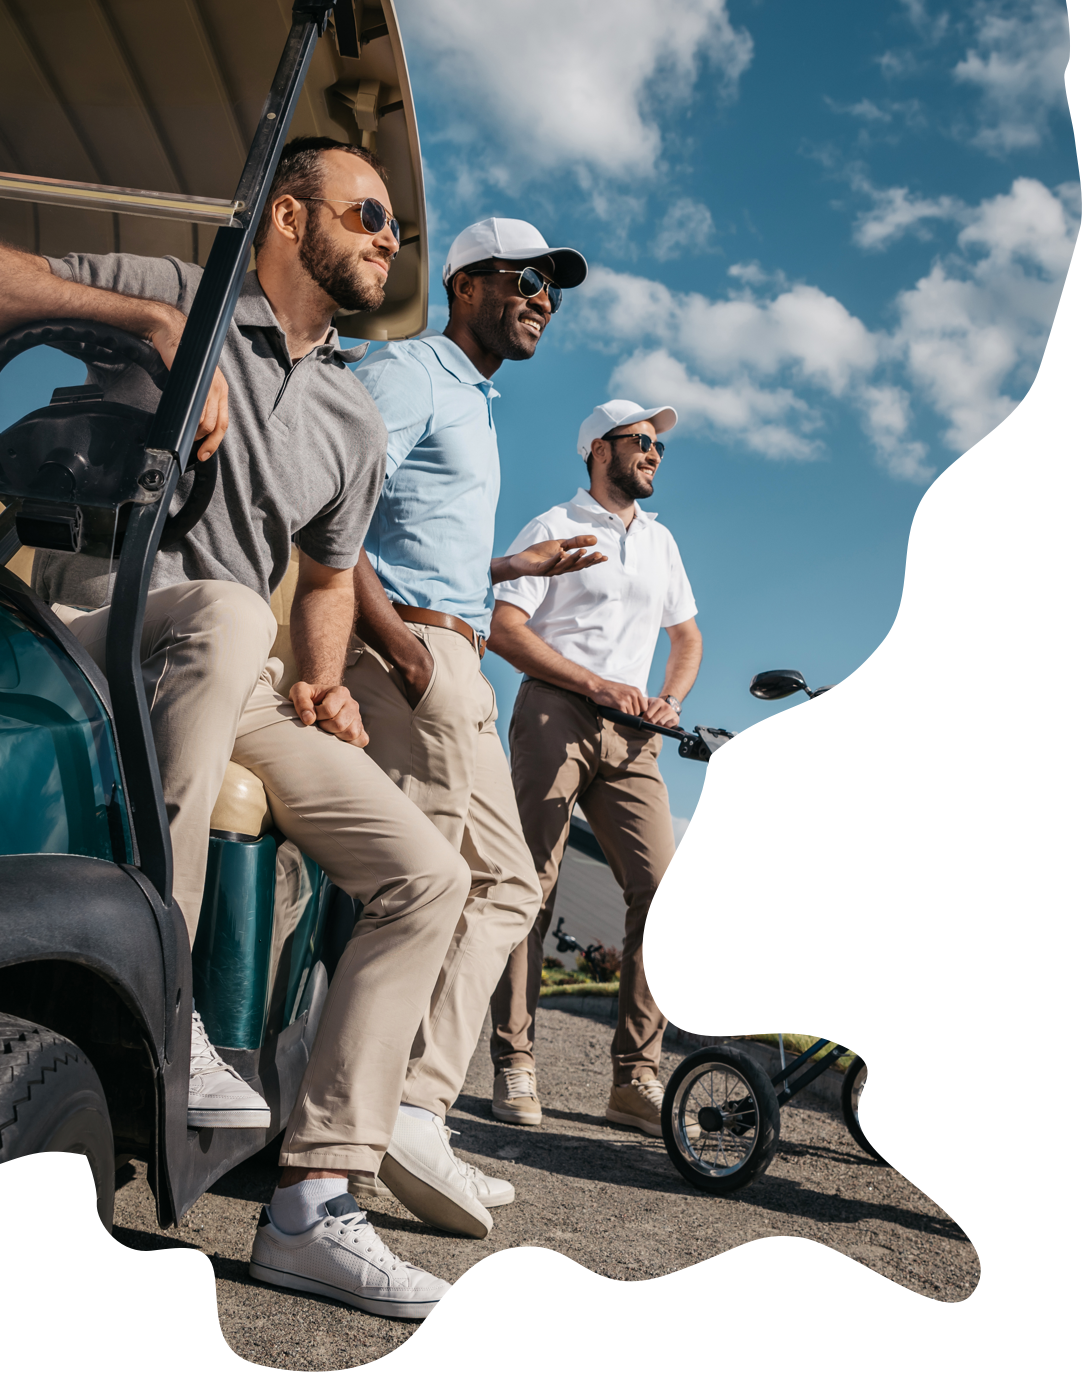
[606,1197]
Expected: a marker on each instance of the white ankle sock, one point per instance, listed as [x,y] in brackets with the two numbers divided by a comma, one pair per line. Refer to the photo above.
[299,1207]
[419,1112]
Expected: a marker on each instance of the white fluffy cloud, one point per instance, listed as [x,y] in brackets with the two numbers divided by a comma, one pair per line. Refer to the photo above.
[896,209]
[594,105]
[971,332]
[764,365]
[1017,65]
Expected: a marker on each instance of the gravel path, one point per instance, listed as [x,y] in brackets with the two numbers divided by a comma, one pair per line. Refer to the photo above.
[606,1197]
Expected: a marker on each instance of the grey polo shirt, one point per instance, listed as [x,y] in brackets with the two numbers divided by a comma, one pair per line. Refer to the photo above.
[302,461]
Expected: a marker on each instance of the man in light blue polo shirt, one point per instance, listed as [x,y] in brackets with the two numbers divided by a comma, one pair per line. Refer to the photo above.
[425,597]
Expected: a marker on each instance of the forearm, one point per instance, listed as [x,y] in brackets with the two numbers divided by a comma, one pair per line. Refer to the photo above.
[521,647]
[380,627]
[500,570]
[320,623]
[31,292]
[682,667]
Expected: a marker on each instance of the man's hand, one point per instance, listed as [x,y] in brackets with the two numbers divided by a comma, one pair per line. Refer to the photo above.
[417,674]
[550,558]
[330,708]
[660,712]
[619,696]
[214,420]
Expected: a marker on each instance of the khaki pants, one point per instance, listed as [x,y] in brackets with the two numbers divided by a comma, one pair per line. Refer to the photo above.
[562,754]
[447,757]
[211,691]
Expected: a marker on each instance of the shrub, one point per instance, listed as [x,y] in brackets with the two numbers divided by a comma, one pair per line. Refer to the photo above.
[607,962]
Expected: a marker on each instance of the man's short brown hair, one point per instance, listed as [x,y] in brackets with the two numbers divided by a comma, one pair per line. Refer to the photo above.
[300,173]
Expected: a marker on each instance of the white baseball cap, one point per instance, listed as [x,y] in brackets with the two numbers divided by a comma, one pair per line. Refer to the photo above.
[615,413]
[516,241]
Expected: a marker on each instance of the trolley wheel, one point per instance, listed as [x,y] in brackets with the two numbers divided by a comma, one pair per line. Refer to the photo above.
[720,1119]
[853,1084]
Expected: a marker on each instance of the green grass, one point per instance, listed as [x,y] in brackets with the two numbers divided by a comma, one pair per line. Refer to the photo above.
[587,988]
[797,1044]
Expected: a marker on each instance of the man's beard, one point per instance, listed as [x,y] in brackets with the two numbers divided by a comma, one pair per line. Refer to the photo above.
[493,331]
[631,483]
[336,271]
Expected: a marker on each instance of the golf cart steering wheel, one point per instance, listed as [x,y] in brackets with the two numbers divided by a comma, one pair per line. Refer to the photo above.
[90,342]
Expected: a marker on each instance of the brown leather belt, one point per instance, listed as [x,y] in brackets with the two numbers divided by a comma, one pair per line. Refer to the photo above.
[413,614]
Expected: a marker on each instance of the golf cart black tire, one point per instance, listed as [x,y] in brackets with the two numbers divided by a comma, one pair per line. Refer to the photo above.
[52,1101]
[852,1084]
[767,1119]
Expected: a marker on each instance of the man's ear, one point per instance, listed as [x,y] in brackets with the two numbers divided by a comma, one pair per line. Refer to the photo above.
[288,218]
[464,286]
[599,451]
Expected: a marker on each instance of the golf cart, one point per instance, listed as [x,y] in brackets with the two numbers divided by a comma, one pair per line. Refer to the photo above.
[96,977]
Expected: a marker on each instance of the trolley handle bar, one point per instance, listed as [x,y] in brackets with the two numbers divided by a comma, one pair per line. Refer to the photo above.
[620,717]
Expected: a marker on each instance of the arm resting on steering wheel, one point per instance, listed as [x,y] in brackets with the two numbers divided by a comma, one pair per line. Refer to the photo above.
[31,291]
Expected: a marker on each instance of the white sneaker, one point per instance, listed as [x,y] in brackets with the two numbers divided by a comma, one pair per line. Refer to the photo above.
[343,1257]
[218,1097]
[421,1169]
[491,1191]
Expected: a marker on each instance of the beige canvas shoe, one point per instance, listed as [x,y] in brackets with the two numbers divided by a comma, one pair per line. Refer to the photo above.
[638,1104]
[515,1096]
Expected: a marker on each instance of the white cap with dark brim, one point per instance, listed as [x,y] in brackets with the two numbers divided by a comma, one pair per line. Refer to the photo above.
[615,413]
[513,240]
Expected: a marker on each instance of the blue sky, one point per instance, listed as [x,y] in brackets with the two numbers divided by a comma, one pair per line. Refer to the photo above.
[832,235]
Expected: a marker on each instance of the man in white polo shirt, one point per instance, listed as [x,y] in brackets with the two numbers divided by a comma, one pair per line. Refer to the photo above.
[584,641]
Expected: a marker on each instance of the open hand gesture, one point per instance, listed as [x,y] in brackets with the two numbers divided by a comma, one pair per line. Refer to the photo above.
[550,558]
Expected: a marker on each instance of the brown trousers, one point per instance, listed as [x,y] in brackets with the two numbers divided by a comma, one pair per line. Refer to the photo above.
[561,754]
[447,757]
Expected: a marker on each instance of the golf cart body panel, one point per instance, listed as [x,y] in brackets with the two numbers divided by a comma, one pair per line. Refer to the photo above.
[172,99]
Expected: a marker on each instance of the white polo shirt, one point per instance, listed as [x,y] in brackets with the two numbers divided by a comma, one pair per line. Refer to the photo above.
[605,618]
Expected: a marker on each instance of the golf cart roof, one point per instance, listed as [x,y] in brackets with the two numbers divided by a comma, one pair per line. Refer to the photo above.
[124,126]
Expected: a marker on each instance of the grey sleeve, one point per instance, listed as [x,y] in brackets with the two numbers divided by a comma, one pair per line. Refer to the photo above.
[148,278]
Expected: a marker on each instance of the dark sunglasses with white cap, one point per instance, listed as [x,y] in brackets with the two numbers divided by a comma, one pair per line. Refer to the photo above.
[531,283]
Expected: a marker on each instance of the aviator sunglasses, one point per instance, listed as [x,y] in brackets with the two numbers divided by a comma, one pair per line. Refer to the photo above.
[371,215]
[646,443]
[531,283]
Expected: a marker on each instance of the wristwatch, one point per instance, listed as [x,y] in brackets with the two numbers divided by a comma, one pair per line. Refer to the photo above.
[673,703]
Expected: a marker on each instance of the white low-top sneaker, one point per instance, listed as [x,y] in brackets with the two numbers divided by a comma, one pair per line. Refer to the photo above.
[218,1097]
[491,1191]
[343,1257]
[421,1169]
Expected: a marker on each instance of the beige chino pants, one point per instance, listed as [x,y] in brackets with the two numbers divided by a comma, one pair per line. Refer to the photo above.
[211,691]
[561,753]
[447,757]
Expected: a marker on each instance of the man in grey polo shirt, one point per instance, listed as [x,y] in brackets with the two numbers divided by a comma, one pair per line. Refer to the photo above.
[302,462]
[425,596]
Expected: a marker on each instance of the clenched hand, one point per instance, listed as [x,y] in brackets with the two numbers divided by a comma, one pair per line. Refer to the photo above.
[330,708]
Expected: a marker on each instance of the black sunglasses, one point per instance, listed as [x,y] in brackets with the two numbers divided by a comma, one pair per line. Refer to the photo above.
[531,283]
[371,215]
[646,443]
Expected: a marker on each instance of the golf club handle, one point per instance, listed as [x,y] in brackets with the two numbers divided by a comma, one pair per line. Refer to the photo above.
[620,717]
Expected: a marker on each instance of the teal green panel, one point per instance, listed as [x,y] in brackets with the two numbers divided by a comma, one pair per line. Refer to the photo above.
[307,939]
[59,779]
[232,955]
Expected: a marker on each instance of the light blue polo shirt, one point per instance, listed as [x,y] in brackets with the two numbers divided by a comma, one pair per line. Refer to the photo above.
[431,538]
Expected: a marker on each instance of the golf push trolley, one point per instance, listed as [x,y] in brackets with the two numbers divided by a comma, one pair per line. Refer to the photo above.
[721,1110]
